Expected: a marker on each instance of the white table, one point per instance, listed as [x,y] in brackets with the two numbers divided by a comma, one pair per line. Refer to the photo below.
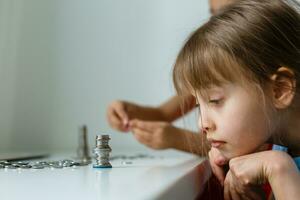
[167,175]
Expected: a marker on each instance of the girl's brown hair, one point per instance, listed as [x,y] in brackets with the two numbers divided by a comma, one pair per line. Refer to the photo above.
[247,41]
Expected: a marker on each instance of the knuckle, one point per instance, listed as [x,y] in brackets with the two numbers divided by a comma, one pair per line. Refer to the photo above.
[246,182]
[233,166]
[226,182]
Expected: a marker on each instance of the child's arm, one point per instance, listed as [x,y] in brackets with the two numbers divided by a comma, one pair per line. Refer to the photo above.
[119,113]
[285,178]
[162,135]
[176,106]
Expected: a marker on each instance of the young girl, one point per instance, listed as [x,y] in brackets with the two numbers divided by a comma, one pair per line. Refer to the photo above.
[243,68]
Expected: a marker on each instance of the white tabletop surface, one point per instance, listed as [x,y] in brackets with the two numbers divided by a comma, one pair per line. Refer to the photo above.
[165,175]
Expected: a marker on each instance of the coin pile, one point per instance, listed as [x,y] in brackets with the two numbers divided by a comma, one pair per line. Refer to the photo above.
[41,164]
[102,151]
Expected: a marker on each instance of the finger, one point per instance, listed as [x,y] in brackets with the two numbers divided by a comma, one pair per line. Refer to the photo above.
[220,160]
[115,122]
[142,135]
[243,192]
[144,125]
[217,166]
[114,118]
[256,193]
[120,111]
[234,194]
[141,139]
[219,173]
[227,195]
[234,186]
[251,196]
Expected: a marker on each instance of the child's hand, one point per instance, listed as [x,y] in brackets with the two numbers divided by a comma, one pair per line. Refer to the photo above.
[247,173]
[236,189]
[120,112]
[156,135]
[217,162]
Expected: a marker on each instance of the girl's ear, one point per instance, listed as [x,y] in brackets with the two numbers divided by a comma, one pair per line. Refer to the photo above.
[283,87]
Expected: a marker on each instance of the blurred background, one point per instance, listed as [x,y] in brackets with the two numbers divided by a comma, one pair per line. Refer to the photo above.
[63,61]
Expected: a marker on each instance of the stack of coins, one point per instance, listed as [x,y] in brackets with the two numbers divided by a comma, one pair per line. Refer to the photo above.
[102,151]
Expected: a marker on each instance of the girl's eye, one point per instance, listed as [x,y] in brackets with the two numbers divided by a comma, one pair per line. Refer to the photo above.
[197,105]
[215,101]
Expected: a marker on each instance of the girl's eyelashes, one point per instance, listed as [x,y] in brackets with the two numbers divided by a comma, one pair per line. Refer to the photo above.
[215,101]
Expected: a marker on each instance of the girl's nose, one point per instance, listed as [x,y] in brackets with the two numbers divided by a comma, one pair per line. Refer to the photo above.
[207,127]
[206,124]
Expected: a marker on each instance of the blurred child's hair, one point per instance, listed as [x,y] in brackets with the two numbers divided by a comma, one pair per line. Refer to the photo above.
[246,42]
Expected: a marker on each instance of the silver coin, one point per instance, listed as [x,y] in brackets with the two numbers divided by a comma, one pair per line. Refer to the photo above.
[22,163]
[6,163]
[10,167]
[57,166]
[42,163]
[127,162]
[66,165]
[67,161]
[78,164]
[38,167]
[15,165]
[25,166]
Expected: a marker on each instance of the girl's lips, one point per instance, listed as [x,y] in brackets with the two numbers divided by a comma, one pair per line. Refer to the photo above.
[216,144]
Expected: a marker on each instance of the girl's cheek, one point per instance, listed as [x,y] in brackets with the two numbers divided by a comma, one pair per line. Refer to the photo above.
[233,132]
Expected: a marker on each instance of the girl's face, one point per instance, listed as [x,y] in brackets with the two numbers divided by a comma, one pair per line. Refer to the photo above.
[233,119]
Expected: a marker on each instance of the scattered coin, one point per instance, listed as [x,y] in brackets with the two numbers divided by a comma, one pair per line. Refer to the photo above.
[10,167]
[66,163]
[127,162]
[38,167]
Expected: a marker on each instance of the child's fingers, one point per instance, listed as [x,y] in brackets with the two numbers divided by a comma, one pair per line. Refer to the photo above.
[217,161]
[227,193]
[234,194]
[143,138]
[141,135]
[121,114]
[219,173]
[116,122]
[233,188]
[145,125]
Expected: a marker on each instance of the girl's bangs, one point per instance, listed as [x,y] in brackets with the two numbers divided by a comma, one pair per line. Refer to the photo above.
[198,69]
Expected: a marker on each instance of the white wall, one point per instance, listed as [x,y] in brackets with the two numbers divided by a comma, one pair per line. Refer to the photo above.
[10,12]
[75,56]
